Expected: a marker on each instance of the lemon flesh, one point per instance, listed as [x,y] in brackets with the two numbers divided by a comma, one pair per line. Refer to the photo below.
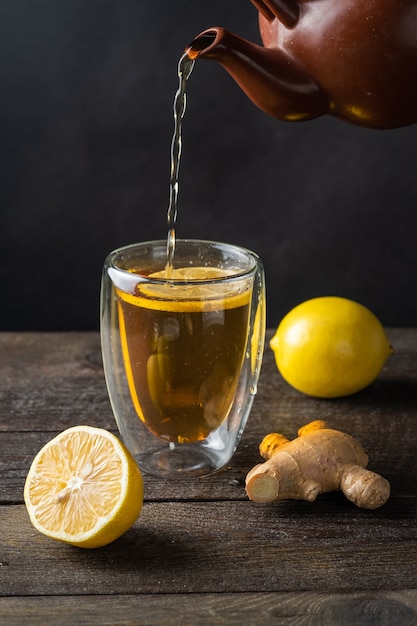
[84,488]
[330,347]
[190,289]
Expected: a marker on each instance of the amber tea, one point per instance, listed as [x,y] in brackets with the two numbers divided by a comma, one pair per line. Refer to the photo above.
[183,351]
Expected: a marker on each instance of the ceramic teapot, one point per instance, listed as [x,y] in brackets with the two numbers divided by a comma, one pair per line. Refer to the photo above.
[354,59]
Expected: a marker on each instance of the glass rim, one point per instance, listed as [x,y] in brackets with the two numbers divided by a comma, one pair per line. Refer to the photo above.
[240,273]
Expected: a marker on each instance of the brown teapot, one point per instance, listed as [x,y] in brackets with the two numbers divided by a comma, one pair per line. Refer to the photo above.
[354,59]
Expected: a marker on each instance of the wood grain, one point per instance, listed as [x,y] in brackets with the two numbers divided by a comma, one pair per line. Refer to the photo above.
[222,546]
[305,608]
[201,553]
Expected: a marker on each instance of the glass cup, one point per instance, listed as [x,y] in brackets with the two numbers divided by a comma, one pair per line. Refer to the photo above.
[182,351]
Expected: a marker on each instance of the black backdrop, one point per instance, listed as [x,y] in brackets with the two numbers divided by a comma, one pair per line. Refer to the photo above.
[86,93]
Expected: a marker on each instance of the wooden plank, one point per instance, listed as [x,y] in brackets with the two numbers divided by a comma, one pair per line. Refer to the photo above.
[50,381]
[257,609]
[218,547]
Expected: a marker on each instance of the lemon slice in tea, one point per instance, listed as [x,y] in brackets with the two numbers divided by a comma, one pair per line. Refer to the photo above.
[190,289]
[192,272]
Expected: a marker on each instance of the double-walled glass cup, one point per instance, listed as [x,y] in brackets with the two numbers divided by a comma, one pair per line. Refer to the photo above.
[182,351]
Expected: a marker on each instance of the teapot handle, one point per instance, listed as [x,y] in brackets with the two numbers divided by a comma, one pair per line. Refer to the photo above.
[287,11]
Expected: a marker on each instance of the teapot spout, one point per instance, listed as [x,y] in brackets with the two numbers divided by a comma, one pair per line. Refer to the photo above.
[274,82]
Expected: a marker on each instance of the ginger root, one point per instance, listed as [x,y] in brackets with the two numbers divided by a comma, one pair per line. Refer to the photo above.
[318,461]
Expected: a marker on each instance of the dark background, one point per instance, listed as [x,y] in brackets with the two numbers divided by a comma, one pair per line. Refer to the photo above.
[86,94]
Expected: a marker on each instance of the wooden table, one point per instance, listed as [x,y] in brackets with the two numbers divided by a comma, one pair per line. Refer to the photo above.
[201,553]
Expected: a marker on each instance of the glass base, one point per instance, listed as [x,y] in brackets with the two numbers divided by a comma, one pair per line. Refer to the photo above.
[177,462]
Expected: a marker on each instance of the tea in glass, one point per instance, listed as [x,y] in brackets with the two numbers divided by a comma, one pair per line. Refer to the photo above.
[182,350]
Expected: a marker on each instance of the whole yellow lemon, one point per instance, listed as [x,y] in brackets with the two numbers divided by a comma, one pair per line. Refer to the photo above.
[330,347]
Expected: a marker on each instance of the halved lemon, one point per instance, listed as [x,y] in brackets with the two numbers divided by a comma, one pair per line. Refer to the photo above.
[84,488]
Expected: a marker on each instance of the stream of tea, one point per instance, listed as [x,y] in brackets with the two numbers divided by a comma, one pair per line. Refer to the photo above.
[185,67]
